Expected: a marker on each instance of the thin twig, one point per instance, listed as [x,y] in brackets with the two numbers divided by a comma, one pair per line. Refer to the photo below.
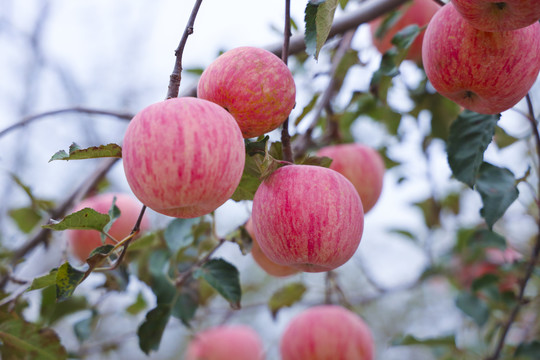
[77,109]
[440,2]
[187,273]
[531,264]
[176,76]
[285,136]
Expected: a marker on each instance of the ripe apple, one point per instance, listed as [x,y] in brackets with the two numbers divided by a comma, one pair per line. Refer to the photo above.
[82,242]
[327,332]
[496,15]
[263,261]
[362,165]
[183,157]
[236,342]
[486,72]
[307,217]
[254,85]
[418,12]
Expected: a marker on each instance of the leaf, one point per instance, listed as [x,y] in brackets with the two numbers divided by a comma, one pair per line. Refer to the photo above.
[470,135]
[406,36]
[151,330]
[85,219]
[324,20]
[257,147]
[286,297]
[114,214]
[484,238]
[178,234]
[439,341]
[23,340]
[83,328]
[186,304]
[93,152]
[223,277]
[498,191]
[44,281]
[249,183]
[26,218]
[471,305]
[528,350]
[307,108]
[502,138]
[138,306]
[310,34]
[67,279]
[323,161]
[52,311]
[99,254]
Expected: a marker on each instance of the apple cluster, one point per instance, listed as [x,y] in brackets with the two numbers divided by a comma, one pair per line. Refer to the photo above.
[483,54]
[324,332]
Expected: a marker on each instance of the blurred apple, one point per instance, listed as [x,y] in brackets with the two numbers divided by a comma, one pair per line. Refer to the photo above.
[362,165]
[496,15]
[82,242]
[417,12]
[254,85]
[327,332]
[486,72]
[307,217]
[236,342]
[183,157]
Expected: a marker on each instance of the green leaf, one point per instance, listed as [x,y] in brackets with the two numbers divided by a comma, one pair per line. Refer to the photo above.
[249,183]
[23,340]
[307,108]
[528,350]
[85,219]
[257,147]
[138,306]
[26,218]
[389,21]
[498,191]
[151,330]
[502,138]
[324,20]
[114,214]
[484,281]
[223,277]
[178,234]
[439,341]
[83,328]
[471,305]
[99,254]
[286,297]
[44,281]
[323,161]
[67,279]
[93,152]
[52,311]
[484,238]
[310,35]
[186,303]
[406,36]
[470,135]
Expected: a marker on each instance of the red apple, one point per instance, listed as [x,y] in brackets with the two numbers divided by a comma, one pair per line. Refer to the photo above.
[82,242]
[327,332]
[418,12]
[362,165]
[307,217]
[254,85]
[496,15]
[486,72]
[183,157]
[263,261]
[236,342]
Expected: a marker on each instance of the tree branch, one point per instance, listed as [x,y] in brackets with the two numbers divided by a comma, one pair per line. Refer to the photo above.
[285,136]
[535,255]
[185,275]
[176,76]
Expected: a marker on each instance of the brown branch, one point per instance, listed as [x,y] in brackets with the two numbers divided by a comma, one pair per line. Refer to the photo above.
[176,76]
[187,273]
[77,109]
[285,136]
[440,2]
[531,264]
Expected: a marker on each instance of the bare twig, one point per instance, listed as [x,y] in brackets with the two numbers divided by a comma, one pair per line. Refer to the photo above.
[77,109]
[285,136]
[535,255]
[176,76]
[187,273]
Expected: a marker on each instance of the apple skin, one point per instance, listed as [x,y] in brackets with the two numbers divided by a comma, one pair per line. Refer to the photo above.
[486,72]
[183,157]
[327,332]
[270,267]
[236,342]
[362,165]
[419,13]
[82,242]
[492,15]
[254,85]
[307,217]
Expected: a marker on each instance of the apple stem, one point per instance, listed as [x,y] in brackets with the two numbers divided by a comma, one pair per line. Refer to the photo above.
[535,253]
[176,76]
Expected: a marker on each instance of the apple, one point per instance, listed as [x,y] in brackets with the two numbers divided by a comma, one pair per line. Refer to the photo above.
[486,72]
[307,217]
[183,157]
[362,165]
[254,85]
[236,342]
[418,12]
[496,15]
[327,332]
[263,261]
[82,242]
